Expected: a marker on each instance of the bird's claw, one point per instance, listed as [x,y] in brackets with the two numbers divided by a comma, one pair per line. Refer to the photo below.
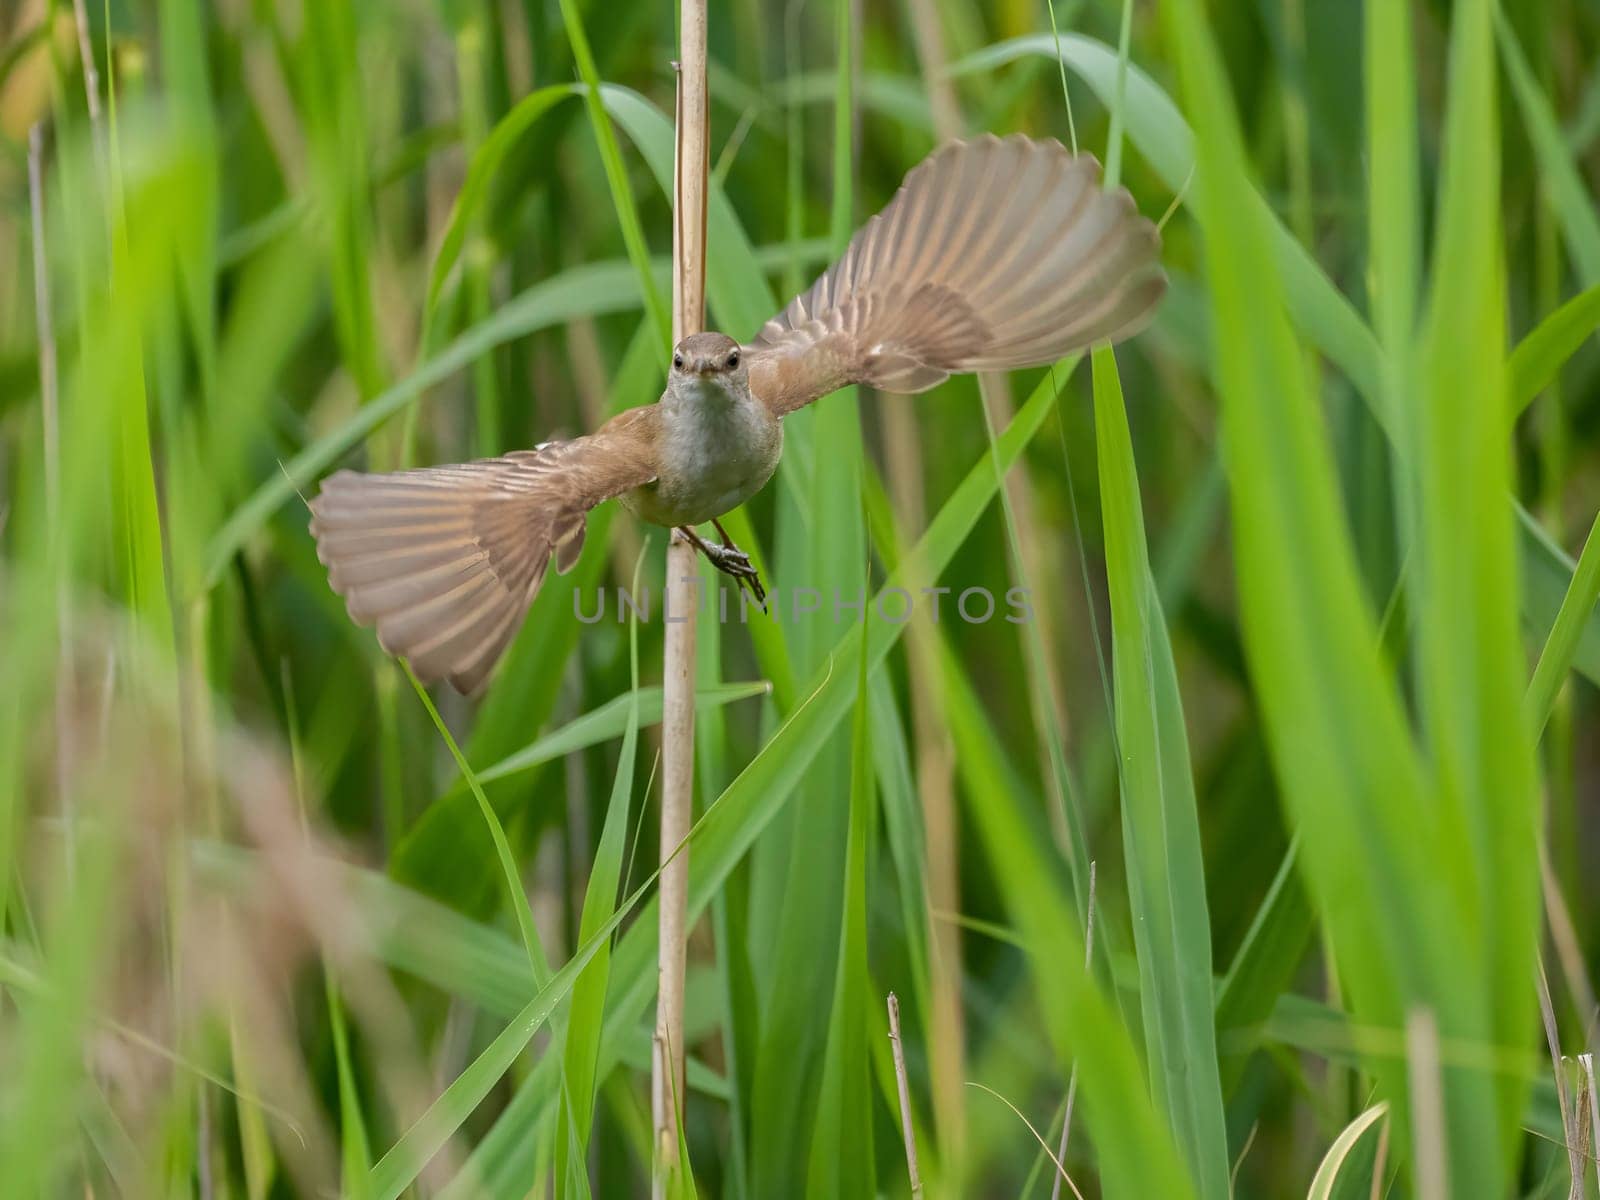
[730,560]
[734,562]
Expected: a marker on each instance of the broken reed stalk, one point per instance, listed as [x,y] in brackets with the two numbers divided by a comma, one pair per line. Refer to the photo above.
[692,163]
[1584,1112]
[906,1129]
[1586,1063]
[1569,1115]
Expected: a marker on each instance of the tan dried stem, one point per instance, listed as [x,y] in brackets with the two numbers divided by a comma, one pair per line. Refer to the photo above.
[691,165]
[1592,1134]
[906,1129]
[1380,1162]
[1558,1065]
[91,75]
[1427,1105]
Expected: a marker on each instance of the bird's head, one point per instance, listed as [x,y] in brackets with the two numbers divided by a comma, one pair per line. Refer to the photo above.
[708,356]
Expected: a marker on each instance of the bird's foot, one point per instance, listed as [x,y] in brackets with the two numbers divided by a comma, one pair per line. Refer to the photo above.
[730,560]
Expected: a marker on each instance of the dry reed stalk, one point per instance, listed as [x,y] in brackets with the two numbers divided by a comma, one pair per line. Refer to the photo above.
[1564,937]
[91,75]
[1380,1162]
[1427,1104]
[692,163]
[1558,1065]
[906,1130]
[1592,1135]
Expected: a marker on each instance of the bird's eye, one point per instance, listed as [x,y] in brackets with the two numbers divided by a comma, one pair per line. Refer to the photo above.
[733,360]
[677,361]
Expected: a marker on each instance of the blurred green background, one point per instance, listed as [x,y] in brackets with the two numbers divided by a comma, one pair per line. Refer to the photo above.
[1306,713]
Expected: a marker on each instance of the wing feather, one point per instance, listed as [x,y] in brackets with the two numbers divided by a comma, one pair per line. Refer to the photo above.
[994,254]
[445,561]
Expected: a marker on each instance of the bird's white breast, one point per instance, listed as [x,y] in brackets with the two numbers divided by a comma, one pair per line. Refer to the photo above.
[719,447]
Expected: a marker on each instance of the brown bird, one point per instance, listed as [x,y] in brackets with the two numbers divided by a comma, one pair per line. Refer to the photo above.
[994,254]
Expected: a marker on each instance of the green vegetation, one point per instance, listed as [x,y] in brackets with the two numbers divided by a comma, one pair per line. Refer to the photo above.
[1305,712]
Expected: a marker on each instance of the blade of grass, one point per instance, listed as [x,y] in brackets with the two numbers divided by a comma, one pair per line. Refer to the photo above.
[1557,655]
[355,1152]
[805,855]
[1471,658]
[581,1054]
[51,1031]
[399,1167]
[328,71]
[487,159]
[1084,1027]
[1339,738]
[356,1156]
[516,894]
[841,1157]
[1160,825]
[1327,1183]
[1546,590]
[1395,211]
[471,39]
[617,177]
[612,719]
[1133,1142]
[137,531]
[405,929]
[1563,185]
[1264,965]
[1539,357]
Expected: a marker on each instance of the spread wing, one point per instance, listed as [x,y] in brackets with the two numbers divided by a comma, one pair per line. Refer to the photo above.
[994,254]
[446,560]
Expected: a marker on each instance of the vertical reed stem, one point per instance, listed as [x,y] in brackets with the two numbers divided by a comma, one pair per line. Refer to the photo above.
[1427,1104]
[683,594]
